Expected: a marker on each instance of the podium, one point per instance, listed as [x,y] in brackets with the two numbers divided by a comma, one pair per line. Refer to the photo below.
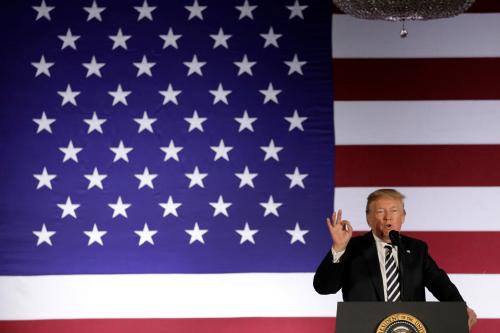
[418,317]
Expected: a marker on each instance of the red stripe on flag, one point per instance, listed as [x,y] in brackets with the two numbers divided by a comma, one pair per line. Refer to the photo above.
[428,165]
[460,252]
[485,6]
[206,325]
[463,252]
[480,6]
[225,325]
[416,79]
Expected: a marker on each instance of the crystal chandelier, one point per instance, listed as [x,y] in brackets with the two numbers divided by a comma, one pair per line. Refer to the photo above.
[401,10]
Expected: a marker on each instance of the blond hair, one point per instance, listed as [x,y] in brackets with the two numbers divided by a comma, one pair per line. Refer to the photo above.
[384,193]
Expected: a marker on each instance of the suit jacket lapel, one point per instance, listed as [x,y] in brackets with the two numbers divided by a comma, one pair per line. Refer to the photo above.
[371,256]
[404,258]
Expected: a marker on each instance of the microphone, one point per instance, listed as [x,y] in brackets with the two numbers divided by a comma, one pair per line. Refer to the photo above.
[395,237]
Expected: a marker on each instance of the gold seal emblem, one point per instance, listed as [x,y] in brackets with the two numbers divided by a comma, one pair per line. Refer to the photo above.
[401,323]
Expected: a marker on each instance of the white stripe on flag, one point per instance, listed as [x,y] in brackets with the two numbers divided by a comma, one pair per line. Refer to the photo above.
[163,296]
[480,291]
[431,208]
[194,296]
[417,122]
[465,36]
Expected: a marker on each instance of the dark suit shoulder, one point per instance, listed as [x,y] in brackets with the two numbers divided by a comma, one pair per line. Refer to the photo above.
[413,242]
[359,244]
[360,240]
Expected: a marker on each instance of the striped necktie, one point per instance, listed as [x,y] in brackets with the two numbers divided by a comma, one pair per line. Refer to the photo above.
[392,275]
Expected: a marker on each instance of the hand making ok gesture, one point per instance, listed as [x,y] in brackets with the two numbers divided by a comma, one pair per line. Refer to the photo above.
[340,230]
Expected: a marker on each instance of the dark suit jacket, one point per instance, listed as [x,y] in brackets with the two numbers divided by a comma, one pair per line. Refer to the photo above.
[358,273]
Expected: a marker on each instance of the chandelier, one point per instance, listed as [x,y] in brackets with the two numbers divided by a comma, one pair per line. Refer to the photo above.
[403,10]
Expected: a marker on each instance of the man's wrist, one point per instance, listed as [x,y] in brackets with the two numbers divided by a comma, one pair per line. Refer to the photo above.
[337,255]
[338,248]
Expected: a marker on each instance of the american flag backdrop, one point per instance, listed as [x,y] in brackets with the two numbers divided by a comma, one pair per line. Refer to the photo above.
[167,166]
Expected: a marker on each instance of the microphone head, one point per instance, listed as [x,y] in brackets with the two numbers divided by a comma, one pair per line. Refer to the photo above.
[395,237]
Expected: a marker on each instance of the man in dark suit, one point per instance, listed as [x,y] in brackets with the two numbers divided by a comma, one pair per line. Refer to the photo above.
[371,268]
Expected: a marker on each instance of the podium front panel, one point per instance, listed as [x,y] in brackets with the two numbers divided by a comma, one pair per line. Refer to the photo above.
[437,317]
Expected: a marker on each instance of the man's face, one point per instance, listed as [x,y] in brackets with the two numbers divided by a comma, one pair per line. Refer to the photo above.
[385,214]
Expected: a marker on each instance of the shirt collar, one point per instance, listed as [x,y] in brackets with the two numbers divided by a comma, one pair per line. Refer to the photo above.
[380,243]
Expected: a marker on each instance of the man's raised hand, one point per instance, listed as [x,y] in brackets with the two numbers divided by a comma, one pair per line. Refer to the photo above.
[340,230]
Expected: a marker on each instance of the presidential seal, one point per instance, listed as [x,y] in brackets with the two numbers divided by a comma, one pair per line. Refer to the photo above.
[401,323]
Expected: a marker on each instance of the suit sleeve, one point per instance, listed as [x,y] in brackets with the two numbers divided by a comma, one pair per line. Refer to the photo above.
[438,282]
[328,276]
